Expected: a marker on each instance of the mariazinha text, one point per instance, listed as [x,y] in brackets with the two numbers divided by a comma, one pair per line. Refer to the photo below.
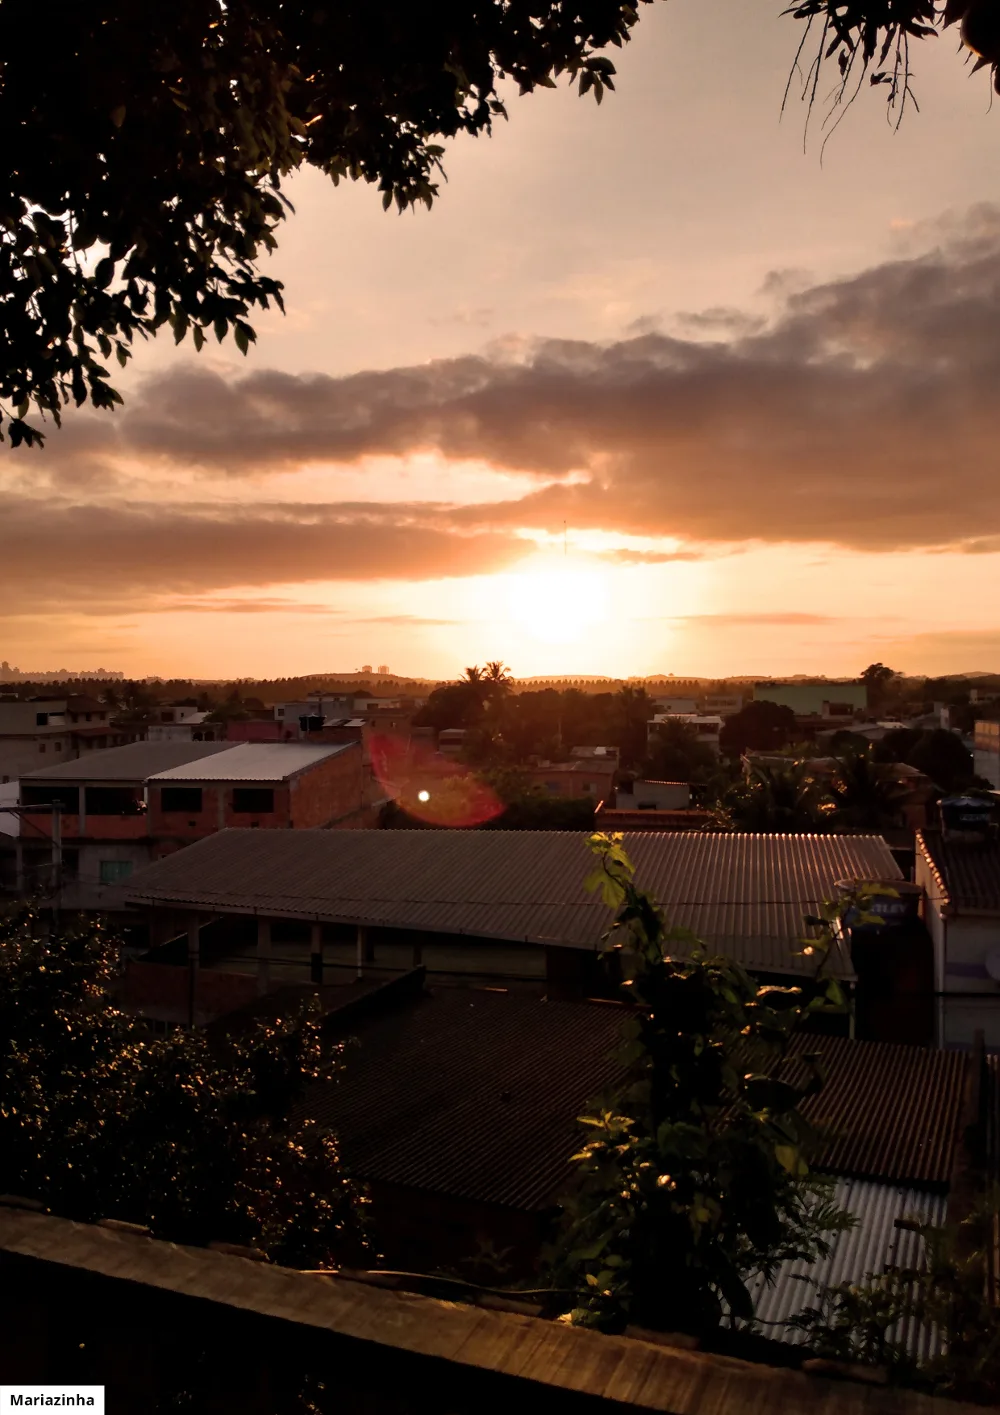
[33,1400]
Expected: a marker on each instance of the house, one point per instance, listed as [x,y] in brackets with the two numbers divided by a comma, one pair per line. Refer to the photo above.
[86,826]
[592,776]
[37,731]
[986,751]
[503,906]
[706,726]
[723,704]
[823,699]
[672,706]
[958,866]
[653,796]
[180,722]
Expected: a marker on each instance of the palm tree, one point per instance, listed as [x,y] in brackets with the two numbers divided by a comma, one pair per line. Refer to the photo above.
[865,792]
[472,675]
[783,800]
[498,676]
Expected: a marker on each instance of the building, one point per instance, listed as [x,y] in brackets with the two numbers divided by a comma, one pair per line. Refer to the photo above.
[815,699]
[724,704]
[986,752]
[86,826]
[959,870]
[182,723]
[653,796]
[594,754]
[37,731]
[506,906]
[706,726]
[672,706]
[591,777]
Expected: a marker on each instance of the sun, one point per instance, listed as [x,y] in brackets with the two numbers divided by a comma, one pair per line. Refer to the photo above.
[557,601]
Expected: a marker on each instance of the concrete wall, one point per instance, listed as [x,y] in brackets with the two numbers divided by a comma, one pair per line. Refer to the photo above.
[588,780]
[328,792]
[970,998]
[19,755]
[654,795]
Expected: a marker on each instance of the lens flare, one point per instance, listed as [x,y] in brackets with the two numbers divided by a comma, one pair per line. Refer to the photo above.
[431,789]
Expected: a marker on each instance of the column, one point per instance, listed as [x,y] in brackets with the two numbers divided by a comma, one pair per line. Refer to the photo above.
[362,937]
[81,811]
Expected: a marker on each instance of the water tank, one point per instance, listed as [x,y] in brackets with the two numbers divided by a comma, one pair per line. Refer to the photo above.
[968,818]
[892,910]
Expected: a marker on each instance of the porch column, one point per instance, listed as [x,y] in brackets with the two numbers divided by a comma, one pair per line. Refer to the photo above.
[316,954]
[263,955]
[81,811]
[362,938]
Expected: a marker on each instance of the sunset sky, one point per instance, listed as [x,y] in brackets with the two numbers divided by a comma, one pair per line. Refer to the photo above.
[760,391]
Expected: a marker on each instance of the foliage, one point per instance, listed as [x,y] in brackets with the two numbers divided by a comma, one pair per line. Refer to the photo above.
[451,705]
[147,146]
[675,754]
[939,754]
[187,1136]
[864,792]
[695,1173]
[759,727]
[948,1292]
[633,711]
[777,799]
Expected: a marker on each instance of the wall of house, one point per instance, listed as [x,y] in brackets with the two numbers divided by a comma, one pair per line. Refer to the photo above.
[329,791]
[969,998]
[592,782]
[19,755]
[654,795]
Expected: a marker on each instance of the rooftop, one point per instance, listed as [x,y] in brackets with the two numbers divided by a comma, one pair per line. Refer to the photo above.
[135,762]
[253,761]
[476,1093]
[745,895]
[968,874]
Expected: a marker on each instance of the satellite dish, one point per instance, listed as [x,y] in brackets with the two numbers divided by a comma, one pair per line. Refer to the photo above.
[993,964]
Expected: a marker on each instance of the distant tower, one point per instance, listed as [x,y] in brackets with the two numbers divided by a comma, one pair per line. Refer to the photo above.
[383,670]
[366,668]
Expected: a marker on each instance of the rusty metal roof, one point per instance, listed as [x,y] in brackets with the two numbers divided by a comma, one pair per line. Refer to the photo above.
[476,1094]
[745,895]
[968,874]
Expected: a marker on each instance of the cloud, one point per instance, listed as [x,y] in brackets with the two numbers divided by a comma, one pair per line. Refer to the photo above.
[109,560]
[864,415]
[782,618]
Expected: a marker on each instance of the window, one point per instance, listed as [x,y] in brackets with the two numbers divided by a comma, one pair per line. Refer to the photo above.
[70,863]
[41,746]
[552,787]
[41,719]
[251,800]
[112,801]
[279,712]
[58,746]
[114,871]
[181,798]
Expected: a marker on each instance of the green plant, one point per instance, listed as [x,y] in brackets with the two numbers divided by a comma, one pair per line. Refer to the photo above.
[187,1135]
[695,1174]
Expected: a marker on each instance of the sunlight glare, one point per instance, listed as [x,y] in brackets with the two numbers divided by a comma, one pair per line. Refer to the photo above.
[557,603]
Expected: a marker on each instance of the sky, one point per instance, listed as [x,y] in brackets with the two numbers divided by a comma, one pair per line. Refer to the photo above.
[659,386]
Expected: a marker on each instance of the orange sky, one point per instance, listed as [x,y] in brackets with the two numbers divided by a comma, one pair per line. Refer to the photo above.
[757,391]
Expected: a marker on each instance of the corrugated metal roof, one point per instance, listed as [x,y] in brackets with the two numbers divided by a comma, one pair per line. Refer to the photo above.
[875,1246]
[472,1094]
[255,761]
[969,875]
[135,762]
[891,1112]
[745,895]
[476,1094]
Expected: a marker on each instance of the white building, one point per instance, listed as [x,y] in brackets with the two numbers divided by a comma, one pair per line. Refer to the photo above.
[959,869]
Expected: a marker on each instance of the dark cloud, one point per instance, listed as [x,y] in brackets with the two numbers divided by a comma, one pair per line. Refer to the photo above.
[865,414]
[111,560]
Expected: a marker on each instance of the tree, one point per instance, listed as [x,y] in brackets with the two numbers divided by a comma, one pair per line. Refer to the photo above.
[675,754]
[695,1172]
[775,799]
[633,711]
[451,705]
[147,146]
[498,678]
[939,754]
[876,678]
[758,727]
[864,792]
[192,1139]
